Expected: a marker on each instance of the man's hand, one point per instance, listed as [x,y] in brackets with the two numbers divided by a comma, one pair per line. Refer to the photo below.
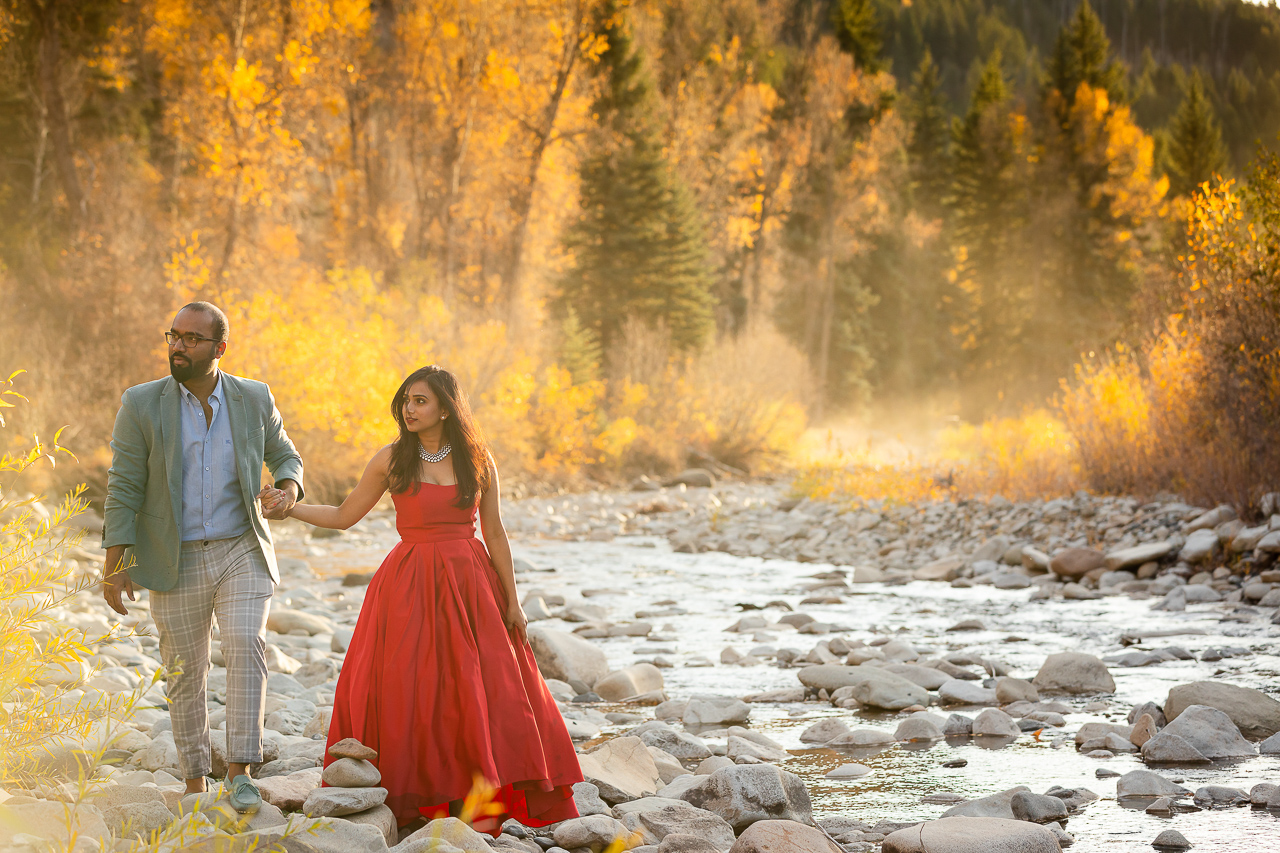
[116,580]
[277,503]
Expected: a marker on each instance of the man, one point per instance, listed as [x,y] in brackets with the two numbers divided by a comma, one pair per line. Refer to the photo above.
[186,458]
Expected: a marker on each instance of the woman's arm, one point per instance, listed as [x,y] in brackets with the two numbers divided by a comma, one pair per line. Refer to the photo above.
[363,497]
[495,539]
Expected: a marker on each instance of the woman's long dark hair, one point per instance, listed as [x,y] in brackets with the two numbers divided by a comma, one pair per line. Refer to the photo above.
[470,456]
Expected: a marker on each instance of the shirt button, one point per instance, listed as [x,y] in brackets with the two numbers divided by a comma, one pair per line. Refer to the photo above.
[206,468]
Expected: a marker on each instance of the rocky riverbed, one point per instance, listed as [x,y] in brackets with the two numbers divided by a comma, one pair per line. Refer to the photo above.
[741,669]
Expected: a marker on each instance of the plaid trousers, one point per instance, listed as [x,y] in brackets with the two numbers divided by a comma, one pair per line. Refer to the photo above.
[229,578]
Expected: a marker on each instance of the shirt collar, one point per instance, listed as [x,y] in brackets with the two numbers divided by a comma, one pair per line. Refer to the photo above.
[214,396]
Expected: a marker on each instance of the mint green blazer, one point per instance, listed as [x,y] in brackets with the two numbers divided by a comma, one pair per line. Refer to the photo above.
[144,484]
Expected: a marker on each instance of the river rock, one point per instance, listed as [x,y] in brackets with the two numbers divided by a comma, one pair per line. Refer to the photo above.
[380,817]
[1009,690]
[1220,797]
[1143,730]
[1171,839]
[680,817]
[681,745]
[861,738]
[709,710]
[622,769]
[958,692]
[632,681]
[947,569]
[993,805]
[1211,732]
[957,725]
[567,657]
[283,620]
[1167,748]
[824,730]
[142,810]
[1201,546]
[849,771]
[876,688]
[289,792]
[1270,746]
[925,676]
[783,836]
[351,773]
[1075,563]
[916,729]
[683,842]
[594,832]
[1145,783]
[452,831]
[1037,808]
[1256,714]
[1137,555]
[1263,793]
[336,802]
[748,793]
[972,835]
[993,722]
[1073,673]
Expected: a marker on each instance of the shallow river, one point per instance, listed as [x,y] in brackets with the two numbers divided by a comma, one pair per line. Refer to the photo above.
[1019,632]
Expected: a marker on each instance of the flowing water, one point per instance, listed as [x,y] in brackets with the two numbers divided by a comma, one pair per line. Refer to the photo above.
[641,572]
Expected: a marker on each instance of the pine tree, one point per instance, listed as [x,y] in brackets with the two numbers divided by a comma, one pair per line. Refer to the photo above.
[858,32]
[1195,149]
[927,147]
[580,352]
[1082,54]
[638,248]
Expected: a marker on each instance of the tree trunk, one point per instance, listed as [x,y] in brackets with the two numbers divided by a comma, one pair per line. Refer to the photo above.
[49,67]
[522,204]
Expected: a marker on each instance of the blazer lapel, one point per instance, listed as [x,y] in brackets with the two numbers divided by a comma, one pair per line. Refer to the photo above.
[239,432]
[171,436]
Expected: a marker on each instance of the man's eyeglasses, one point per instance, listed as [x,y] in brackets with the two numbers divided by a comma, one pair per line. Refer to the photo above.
[189,340]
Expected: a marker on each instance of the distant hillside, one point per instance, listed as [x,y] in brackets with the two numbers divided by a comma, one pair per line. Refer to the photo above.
[1236,44]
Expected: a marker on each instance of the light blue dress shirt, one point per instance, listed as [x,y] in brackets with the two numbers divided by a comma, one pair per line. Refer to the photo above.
[212,505]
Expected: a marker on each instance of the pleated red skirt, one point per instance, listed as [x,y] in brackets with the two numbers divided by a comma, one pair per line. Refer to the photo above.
[437,685]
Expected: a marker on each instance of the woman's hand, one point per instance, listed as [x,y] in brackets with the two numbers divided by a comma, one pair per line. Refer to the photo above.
[516,621]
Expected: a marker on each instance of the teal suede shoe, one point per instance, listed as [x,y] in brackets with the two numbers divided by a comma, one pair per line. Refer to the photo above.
[243,794]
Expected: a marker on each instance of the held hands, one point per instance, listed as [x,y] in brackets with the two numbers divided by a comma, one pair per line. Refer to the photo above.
[278,503]
[516,621]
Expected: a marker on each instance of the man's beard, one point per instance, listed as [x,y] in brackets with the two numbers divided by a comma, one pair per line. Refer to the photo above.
[190,370]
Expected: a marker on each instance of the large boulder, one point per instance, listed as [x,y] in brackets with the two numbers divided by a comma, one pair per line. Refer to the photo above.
[1256,714]
[622,769]
[322,835]
[632,681]
[1075,563]
[1073,673]
[783,836]
[683,818]
[1211,732]
[747,793]
[566,657]
[972,835]
[681,745]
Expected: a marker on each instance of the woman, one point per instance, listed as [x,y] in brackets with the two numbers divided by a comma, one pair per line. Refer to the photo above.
[439,677]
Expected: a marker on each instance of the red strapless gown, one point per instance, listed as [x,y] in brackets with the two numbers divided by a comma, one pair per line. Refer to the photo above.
[437,685]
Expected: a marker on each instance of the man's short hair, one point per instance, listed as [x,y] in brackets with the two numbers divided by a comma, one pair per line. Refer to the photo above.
[220,325]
